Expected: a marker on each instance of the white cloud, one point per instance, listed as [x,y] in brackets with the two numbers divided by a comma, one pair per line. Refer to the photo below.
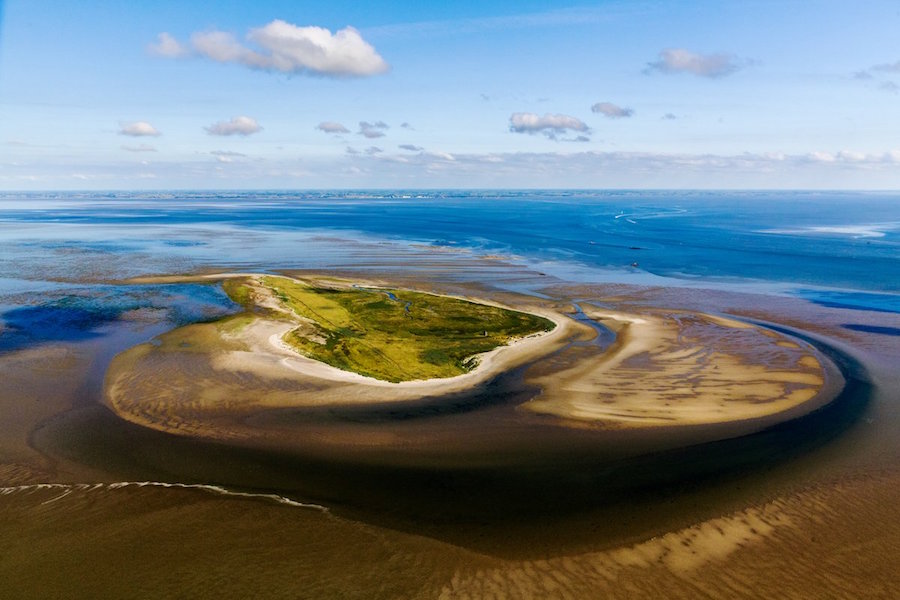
[893,67]
[877,74]
[591,169]
[411,147]
[612,111]
[372,150]
[669,117]
[372,130]
[442,156]
[138,129]
[168,47]
[847,157]
[679,60]
[662,164]
[221,46]
[549,125]
[139,148]
[851,156]
[226,156]
[332,127]
[283,47]
[236,126]
[231,153]
[825,157]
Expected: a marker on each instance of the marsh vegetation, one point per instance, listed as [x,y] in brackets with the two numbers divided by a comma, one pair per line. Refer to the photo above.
[389,334]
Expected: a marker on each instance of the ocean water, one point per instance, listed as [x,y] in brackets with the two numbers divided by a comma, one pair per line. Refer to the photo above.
[835,249]
[798,240]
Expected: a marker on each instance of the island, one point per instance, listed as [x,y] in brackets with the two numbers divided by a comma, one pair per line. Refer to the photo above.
[387,334]
[506,370]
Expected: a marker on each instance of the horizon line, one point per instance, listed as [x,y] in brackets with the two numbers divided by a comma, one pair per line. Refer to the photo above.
[444,189]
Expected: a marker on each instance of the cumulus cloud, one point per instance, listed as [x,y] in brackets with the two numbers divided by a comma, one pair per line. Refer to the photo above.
[372,150]
[611,111]
[282,47]
[372,130]
[889,86]
[549,125]
[332,127]
[679,60]
[669,117]
[411,147]
[138,129]
[236,126]
[168,47]
[139,148]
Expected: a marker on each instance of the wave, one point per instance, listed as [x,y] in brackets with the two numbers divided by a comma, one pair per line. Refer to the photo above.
[68,488]
[875,230]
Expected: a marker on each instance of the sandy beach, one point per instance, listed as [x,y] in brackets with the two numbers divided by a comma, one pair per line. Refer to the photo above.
[258,351]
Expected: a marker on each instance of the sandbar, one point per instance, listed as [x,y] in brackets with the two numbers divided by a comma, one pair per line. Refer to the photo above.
[666,368]
[671,368]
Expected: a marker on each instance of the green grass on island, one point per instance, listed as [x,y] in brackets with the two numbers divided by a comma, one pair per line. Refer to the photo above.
[392,335]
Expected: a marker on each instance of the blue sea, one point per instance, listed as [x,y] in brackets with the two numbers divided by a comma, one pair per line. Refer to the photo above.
[834,248]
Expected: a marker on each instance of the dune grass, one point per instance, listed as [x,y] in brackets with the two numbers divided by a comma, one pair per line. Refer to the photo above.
[394,335]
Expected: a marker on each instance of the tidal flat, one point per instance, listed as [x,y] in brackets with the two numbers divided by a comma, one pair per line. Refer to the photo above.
[521,484]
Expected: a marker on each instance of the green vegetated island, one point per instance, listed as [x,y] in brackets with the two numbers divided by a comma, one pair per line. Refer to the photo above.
[388,334]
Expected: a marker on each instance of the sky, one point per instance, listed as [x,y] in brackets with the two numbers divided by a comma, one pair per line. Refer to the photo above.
[174,94]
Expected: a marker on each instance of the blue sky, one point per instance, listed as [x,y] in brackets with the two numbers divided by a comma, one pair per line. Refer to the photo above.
[752,94]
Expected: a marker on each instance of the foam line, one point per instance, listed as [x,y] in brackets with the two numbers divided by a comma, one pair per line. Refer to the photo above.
[68,488]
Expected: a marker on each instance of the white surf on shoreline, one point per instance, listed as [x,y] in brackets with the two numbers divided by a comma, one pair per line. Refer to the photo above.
[66,489]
